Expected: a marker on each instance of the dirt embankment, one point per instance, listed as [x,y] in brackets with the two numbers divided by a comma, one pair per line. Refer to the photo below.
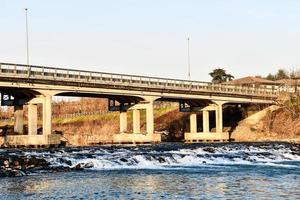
[279,122]
[99,129]
[87,121]
[94,125]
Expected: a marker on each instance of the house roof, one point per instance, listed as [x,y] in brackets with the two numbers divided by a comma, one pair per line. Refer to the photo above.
[251,80]
[288,81]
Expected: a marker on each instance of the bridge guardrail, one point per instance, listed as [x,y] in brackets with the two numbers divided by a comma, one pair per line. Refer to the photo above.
[48,73]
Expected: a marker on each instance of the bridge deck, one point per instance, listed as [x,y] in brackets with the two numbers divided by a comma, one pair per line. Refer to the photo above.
[56,76]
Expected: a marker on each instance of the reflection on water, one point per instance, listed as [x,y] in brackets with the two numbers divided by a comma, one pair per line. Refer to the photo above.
[238,182]
[231,171]
[28,185]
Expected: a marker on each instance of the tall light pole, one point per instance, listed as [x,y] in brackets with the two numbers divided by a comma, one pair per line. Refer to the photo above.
[188,57]
[27,43]
[27,38]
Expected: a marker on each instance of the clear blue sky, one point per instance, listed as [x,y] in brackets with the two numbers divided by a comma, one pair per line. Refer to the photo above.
[148,37]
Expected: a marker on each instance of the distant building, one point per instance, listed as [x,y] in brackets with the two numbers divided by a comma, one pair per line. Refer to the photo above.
[252,81]
[290,85]
[290,82]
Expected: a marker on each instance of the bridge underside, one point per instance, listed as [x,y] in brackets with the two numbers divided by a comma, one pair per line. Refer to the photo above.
[120,100]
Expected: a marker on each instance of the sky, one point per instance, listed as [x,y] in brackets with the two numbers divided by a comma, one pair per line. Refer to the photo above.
[149,37]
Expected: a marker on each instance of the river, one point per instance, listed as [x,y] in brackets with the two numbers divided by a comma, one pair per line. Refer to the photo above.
[164,171]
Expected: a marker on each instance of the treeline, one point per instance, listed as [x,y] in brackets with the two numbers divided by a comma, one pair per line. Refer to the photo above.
[219,75]
[283,74]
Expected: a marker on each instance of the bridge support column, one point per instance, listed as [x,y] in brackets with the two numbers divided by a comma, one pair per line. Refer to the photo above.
[193,123]
[205,114]
[137,136]
[219,118]
[19,121]
[33,138]
[136,121]
[206,135]
[32,119]
[47,115]
[149,118]
[123,121]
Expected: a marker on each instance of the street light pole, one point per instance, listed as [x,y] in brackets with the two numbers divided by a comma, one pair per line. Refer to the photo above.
[188,57]
[27,38]
[27,42]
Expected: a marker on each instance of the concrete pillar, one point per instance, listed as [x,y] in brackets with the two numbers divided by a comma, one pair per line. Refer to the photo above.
[193,123]
[149,118]
[32,119]
[205,115]
[136,121]
[219,118]
[123,121]
[47,115]
[19,121]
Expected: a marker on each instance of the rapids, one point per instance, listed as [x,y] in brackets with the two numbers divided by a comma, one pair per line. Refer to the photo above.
[164,171]
[165,156]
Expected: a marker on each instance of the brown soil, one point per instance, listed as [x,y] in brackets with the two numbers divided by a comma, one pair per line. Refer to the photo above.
[280,123]
[174,123]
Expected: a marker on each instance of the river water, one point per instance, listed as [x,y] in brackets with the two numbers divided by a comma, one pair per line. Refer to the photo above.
[165,171]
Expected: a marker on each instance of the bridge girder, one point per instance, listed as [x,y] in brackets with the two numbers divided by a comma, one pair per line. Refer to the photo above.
[31,90]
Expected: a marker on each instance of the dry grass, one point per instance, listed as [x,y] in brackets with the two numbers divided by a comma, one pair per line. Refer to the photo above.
[281,123]
[285,121]
[84,105]
[99,127]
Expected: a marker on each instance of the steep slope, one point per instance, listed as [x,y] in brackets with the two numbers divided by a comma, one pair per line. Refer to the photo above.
[280,122]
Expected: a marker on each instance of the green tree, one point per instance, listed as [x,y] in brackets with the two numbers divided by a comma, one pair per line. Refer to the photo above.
[271,77]
[295,73]
[281,74]
[219,75]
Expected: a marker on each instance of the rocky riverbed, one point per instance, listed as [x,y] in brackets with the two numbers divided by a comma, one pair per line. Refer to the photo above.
[22,162]
[21,165]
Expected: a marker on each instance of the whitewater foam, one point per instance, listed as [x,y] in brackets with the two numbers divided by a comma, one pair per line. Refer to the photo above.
[177,156]
[185,157]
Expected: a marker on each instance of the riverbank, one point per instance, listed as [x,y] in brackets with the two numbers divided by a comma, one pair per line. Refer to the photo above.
[91,123]
[254,123]
[277,123]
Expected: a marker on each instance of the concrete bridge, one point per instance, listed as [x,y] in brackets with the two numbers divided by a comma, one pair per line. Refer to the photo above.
[32,85]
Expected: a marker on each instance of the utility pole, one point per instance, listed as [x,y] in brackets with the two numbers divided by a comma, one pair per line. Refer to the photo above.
[188,57]
[27,38]
[27,41]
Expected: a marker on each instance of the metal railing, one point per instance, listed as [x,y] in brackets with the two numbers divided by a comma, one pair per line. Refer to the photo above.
[81,76]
